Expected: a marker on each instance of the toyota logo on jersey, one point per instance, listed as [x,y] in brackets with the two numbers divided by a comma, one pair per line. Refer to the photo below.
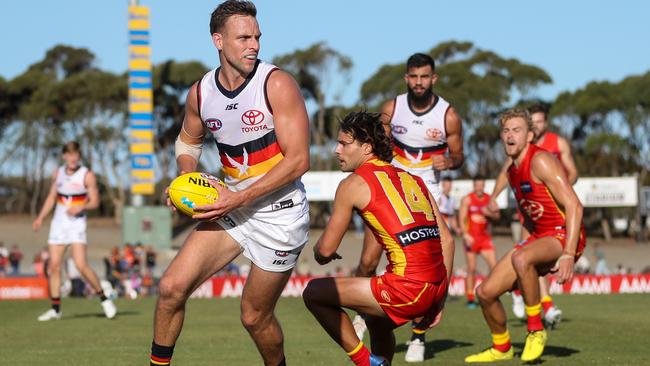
[252,117]
[213,124]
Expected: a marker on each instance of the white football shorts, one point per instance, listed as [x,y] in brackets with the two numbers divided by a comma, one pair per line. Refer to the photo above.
[271,246]
[66,229]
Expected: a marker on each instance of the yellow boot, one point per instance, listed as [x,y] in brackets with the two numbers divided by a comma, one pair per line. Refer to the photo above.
[535,342]
[490,355]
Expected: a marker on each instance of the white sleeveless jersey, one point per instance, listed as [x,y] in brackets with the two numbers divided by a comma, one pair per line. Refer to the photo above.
[241,122]
[71,190]
[447,205]
[418,136]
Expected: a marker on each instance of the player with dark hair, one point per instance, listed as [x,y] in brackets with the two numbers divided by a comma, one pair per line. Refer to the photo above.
[427,139]
[474,219]
[552,214]
[72,193]
[257,117]
[403,217]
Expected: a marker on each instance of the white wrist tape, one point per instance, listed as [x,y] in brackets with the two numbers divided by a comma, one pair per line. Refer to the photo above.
[183,148]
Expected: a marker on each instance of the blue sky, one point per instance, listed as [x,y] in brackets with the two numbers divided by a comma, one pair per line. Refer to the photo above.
[574,41]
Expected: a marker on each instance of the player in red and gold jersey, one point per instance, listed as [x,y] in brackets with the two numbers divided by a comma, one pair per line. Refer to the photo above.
[474,216]
[552,214]
[559,147]
[403,217]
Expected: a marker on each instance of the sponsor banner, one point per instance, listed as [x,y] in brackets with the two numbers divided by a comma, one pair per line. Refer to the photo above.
[140,102]
[23,288]
[607,191]
[223,287]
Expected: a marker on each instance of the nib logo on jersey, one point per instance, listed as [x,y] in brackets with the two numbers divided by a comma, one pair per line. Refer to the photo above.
[253,119]
[417,234]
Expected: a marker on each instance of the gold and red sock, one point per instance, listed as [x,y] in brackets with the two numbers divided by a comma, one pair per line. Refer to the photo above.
[360,355]
[501,342]
[547,303]
[534,317]
[161,355]
[470,296]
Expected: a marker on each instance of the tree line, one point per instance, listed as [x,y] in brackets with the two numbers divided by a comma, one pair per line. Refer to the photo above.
[66,96]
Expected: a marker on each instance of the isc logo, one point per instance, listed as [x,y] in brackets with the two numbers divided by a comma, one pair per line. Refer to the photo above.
[200,182]
[230,107]
[279,261]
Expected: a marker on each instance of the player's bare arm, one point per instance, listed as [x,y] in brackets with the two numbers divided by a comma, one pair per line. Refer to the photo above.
[456,156]
[352,192]
[192,132]
[387,111]
[499,185]
[567,160]
[548,170]
[490,213]
[463,217]
[48,205]
[292,133]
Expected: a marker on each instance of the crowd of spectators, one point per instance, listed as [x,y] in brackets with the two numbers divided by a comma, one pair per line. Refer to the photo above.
[130,270]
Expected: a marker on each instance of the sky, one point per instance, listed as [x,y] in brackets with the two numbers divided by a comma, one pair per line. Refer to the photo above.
[574,41]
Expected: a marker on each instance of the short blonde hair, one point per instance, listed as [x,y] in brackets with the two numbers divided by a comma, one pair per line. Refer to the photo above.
[514,113]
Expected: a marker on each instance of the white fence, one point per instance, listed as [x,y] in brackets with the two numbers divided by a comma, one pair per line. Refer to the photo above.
[592,192]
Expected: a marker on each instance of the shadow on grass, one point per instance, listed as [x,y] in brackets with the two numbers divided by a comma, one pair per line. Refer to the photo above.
[556,351]
[99,315]
[435,346]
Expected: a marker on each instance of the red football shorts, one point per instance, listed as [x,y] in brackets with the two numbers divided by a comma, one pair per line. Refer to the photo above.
[480,244]
[403,299]
[560,234]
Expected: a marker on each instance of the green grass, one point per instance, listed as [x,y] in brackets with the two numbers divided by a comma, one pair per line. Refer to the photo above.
[596,330]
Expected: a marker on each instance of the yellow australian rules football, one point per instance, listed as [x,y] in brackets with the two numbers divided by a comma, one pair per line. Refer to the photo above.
[192,189]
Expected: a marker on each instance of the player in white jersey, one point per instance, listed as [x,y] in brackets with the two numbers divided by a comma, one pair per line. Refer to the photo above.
[447,205]
[73,191]
[257,116]
[427,139]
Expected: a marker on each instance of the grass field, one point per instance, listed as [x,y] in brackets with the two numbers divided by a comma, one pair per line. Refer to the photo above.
[596,330]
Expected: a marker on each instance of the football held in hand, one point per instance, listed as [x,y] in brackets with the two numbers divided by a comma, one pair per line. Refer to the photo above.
[193,189]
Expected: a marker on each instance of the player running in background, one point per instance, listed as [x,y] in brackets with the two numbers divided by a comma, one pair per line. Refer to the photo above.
[427,139]
[73,191]
[552,215]
[473,216]
[404,219]
[257,117]
[561,149]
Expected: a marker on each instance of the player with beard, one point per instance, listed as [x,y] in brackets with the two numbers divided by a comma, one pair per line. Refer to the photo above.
[559,147]
[427,139]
